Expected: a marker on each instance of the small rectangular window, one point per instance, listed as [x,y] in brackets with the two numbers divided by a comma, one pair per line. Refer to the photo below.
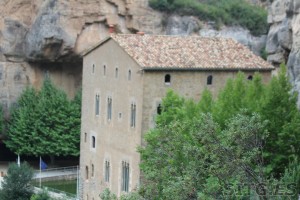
[109,108]
[97,105]
[133,115]
[86,172]
[107,171]
[93,142]
[93,170]
[125,176]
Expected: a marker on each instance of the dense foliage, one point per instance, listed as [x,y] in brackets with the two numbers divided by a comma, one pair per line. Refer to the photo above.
[276,104]
[45,123]
[229,12]
[227,148]
[16,184]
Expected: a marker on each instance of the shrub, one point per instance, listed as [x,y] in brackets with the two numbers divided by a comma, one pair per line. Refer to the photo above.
[43,195]
[16,184]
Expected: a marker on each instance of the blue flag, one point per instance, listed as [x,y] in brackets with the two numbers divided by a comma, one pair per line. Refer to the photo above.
[43,165]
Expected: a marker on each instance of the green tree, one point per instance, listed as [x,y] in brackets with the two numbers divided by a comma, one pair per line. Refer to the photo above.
[22,128]
[196,149]
[230,99]
[16,184]
[206,102]
[45,123]
[189,155]
[276,103]
[280,109]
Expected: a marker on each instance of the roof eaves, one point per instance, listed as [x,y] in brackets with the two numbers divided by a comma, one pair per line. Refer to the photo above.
[204,69]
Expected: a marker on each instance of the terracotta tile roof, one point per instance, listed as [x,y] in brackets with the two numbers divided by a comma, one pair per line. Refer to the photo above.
[189,52]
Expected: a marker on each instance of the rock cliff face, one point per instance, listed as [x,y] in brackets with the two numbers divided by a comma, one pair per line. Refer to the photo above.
[283,42]
[47,36]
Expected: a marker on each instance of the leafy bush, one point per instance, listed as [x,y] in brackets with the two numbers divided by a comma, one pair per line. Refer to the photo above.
[107,195]
[43,195]
[229,12]
[16,184]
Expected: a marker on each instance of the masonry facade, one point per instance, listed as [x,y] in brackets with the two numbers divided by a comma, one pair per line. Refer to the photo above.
[125,78]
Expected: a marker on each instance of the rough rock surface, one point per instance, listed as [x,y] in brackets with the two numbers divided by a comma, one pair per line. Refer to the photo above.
[47,36]
[256,44]
[283,42]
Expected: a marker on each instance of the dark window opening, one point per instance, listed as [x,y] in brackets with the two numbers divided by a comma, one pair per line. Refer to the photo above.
[93,142]
[133,115]
[97,106]
[104,70]
[85,137]
[158,109]
[167,79]
[107,171]
[93,70]
[125,176]
[86,172]
[209,80]
[109,108]
[93,170]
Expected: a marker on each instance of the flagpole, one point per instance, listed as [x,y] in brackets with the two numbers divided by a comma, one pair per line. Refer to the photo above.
[77,188]
[40,172]
[18,161]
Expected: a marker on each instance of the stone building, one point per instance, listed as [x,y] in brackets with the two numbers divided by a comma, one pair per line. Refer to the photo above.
[125,78]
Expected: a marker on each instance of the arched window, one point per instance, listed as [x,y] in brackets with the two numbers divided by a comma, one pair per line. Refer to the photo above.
[104,70]
[129,75]
[209,80]
[86,172]
[93,69]
[85,137]
[250,77]
[93,142]
[167,79]
[117,73]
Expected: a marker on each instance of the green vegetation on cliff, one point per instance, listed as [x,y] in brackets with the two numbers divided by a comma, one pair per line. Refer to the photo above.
[229,12]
